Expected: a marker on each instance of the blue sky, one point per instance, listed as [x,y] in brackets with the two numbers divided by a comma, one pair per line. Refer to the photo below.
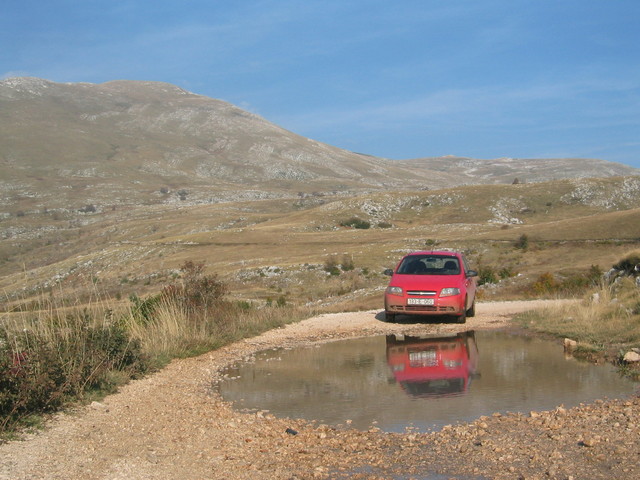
[405,79]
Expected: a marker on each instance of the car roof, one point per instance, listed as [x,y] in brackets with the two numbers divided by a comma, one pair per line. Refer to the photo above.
[448,253]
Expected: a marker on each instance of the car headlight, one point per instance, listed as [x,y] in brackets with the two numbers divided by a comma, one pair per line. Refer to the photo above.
[394,290]
[449,292]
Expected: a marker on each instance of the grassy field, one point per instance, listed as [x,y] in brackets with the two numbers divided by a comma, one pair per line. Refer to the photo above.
[93,299]
[265,249]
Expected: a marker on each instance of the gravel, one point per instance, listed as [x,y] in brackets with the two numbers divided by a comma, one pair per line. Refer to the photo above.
[173,425]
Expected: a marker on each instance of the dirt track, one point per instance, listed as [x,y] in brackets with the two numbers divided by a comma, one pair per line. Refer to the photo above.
[170,426]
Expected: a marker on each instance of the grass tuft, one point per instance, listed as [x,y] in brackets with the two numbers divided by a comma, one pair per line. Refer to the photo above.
[607,320]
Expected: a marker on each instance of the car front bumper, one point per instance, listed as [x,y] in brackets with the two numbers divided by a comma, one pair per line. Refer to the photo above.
[443,306]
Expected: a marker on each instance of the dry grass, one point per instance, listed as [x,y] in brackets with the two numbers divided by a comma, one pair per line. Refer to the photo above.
[607,319]
[138,250]
[55,354]
[174,332]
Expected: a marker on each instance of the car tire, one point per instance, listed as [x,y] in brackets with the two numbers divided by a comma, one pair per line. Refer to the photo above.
[389,317]
[461,318]
[472,311]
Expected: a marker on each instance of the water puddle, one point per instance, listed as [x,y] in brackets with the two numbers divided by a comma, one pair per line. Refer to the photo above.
[398,381]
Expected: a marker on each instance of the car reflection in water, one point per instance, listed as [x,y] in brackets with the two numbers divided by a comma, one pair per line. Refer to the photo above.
[433,367]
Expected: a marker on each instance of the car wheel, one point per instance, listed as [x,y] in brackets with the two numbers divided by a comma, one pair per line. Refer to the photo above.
[472,311]
[462,318]
[389,317]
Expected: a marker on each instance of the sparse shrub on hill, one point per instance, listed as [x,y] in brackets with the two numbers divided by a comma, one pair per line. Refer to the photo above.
[331,265]
[523,242]
[545,284]
[355,222]
[575,284]
[630,265]
[197,292]
[182,194]
[488,274]
[347,263]
[88,209]
[334,267]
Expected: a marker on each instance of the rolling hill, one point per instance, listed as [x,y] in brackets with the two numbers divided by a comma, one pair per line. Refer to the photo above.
[114,186]
[70,146]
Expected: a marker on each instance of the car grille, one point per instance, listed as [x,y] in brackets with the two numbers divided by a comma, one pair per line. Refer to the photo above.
[421,308]
[421,293]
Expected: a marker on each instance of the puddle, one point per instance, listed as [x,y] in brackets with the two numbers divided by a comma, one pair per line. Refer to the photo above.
[396,381]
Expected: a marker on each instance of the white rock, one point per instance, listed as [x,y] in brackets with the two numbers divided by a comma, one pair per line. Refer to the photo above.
[631,357]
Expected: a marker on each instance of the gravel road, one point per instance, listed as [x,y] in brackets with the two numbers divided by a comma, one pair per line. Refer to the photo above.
[172,426]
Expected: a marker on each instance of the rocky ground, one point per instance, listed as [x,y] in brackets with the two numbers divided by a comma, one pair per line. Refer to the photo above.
[172,426]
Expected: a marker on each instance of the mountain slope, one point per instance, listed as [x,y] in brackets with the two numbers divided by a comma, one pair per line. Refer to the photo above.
[110,136]
[71,146]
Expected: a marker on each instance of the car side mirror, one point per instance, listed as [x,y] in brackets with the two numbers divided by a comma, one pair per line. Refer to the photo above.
[471,273]
[388,272]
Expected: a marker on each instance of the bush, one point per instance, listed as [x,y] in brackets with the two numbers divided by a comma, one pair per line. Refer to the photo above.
[486,274]
[574,284]
[47,362]
[197,292]
[331,266]
[523,242]
[628,264]
[546,283]
[347,263]
[355,222]
[67,355]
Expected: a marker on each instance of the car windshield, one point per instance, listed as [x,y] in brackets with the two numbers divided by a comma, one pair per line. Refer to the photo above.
[430,265]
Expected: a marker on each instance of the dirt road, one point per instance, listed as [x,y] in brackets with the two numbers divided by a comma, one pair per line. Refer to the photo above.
[171,426]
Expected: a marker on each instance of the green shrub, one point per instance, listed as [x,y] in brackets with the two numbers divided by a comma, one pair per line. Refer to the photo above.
[347,263]
[50,361]
[575,284]
[628,264]
[197,292]
[546,283]
[331,266]
[486,274]
[523,242]
[355,222]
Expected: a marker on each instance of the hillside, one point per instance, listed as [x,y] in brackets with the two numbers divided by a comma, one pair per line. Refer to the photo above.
[80,146]
[270,248]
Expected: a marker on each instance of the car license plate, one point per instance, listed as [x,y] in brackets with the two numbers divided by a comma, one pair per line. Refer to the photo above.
[420,301]
[424,358]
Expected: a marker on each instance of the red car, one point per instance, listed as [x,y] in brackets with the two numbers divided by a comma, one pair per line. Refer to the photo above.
[433,367]
[431,283]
